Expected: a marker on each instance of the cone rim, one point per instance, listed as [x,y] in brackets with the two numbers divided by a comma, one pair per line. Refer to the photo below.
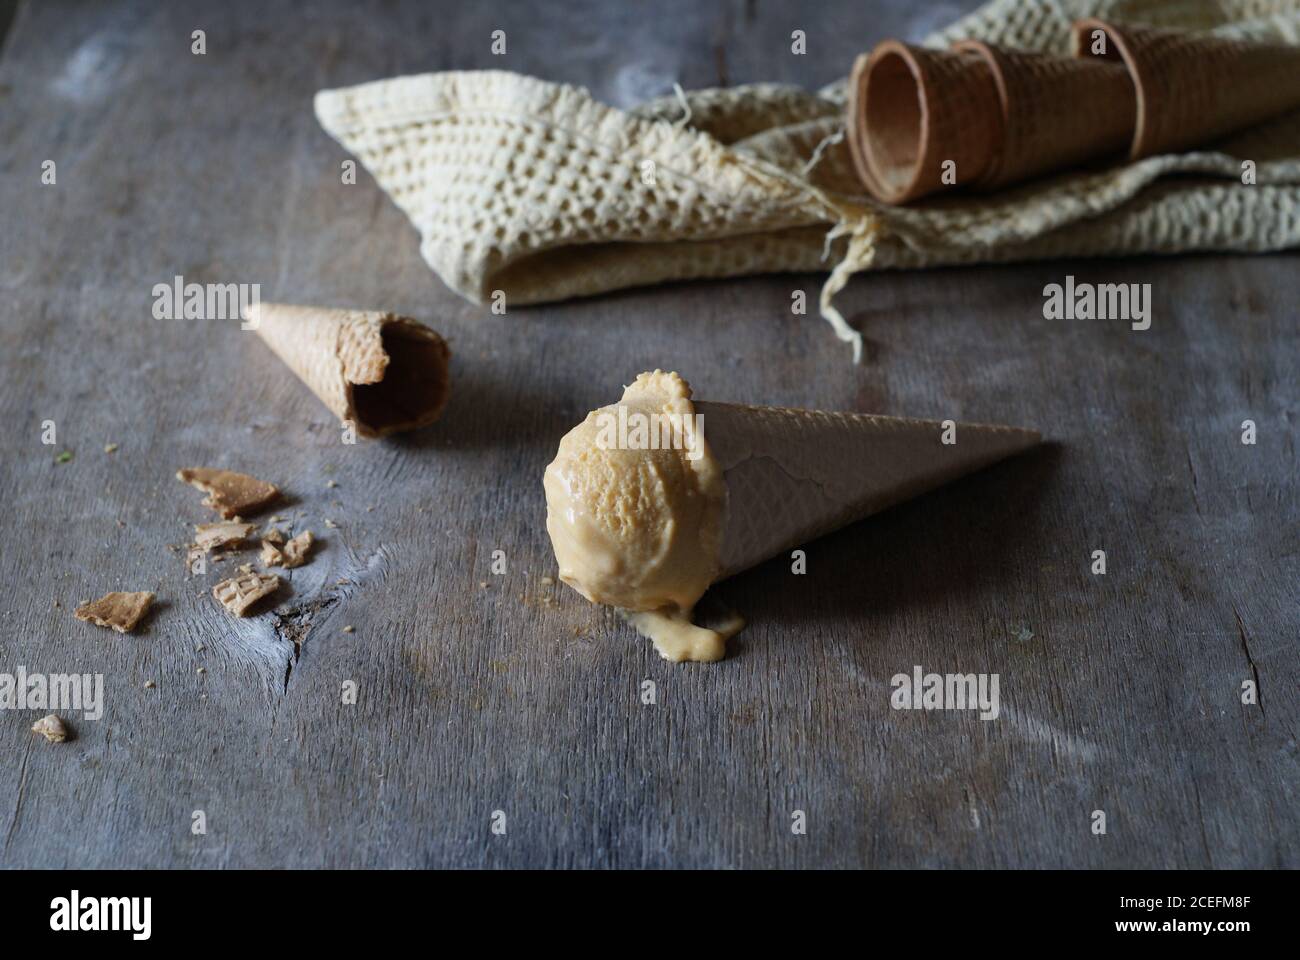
[1128,56]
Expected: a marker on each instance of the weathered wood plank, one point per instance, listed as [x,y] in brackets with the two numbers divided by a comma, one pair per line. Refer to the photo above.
[1126,698]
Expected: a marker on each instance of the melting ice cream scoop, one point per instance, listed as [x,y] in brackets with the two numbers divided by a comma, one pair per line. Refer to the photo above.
[634,510]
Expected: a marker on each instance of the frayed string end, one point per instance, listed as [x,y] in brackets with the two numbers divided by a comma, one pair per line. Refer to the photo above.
[862,234]
[686,107]
[827,141]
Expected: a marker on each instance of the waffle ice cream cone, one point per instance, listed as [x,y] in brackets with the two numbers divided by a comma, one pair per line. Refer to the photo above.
[1056,112]
[1193,88]
[651,500]
[912,110]
[795,475]
[382,372]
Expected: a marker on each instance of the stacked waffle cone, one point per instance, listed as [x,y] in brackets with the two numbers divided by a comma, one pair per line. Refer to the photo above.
[795,475]
[922,121]
[924,117]
[1192,88]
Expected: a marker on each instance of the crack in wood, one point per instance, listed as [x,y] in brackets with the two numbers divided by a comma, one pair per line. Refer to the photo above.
[295,624]
[1245,647]
[18,802]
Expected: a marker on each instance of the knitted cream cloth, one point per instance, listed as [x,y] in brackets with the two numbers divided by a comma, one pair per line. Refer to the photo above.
[536,190]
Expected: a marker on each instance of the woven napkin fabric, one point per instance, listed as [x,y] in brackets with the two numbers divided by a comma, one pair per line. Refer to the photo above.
[536,190]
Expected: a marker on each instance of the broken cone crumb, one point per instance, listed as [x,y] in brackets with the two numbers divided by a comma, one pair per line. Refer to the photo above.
[239,593]
[121,611]
[273,536]
[230,494]
[295,551]
[271,555]
[51,728]
[379,371]
[208,536]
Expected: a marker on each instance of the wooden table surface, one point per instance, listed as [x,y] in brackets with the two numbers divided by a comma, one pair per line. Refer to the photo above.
[1120,693]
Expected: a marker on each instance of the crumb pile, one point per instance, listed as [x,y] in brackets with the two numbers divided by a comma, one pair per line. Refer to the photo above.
[233,496]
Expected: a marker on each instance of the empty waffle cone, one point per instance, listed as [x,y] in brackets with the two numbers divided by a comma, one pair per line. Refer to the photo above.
[379,371]
[795,475]
[1193,88]
[1056,112]
[921,120]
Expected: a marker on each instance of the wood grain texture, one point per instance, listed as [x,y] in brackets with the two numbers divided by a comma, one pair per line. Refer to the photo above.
[522,697]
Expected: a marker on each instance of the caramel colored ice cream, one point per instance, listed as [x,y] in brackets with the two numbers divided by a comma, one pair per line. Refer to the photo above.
[635,504]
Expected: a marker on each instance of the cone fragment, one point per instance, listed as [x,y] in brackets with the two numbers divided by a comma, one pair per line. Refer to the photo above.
[1056,112]
[1193,88]
[795,475]
[913,110]
[382,372]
